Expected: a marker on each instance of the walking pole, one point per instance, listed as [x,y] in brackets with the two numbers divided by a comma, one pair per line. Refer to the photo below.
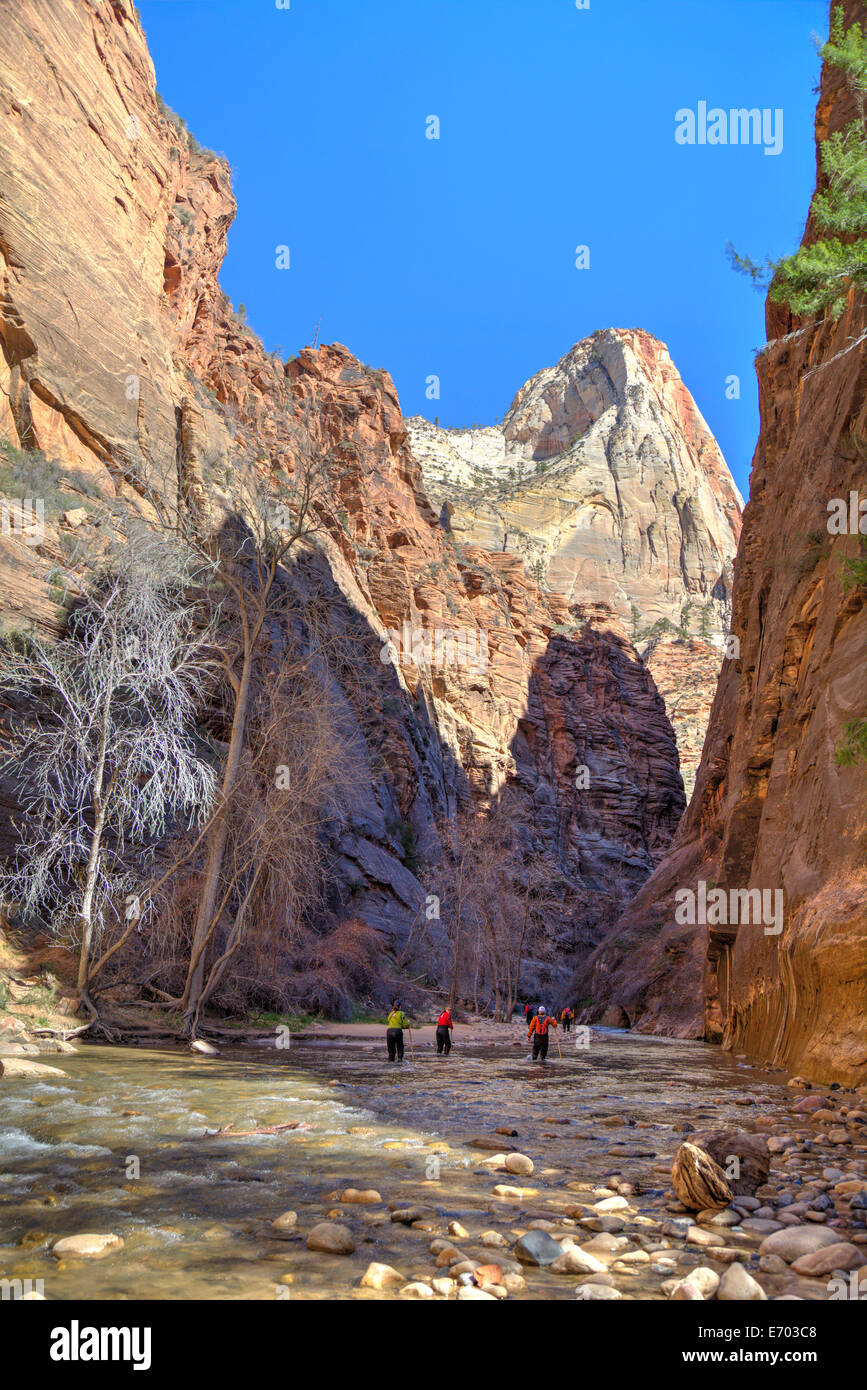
[558,1047]
[411,1048]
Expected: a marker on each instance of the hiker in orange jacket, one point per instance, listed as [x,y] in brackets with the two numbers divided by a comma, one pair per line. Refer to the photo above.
[538,1031]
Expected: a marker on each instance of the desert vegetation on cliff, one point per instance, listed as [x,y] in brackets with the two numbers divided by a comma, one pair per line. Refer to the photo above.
[819,276]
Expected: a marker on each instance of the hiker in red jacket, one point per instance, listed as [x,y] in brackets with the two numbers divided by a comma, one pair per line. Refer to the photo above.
[444,1032]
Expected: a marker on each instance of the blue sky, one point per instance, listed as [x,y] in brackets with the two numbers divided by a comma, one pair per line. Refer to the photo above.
[456,257]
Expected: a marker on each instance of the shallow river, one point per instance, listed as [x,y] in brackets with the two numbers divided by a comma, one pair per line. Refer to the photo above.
[117,1143]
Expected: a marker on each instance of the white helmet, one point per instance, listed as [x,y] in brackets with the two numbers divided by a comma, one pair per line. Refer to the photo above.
[541,1009]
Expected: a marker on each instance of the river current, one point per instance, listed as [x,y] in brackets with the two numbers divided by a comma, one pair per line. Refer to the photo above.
[118,1143]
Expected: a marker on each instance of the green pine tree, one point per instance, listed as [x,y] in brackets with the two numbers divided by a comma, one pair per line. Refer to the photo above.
[819,276]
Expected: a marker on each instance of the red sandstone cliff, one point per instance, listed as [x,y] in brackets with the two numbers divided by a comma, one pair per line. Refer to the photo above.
[772,808]
[123,361]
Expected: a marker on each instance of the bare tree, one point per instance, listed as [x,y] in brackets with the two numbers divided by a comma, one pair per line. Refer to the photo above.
[103,747]
[248,558]
[242,556]
[498,900]
[293,776]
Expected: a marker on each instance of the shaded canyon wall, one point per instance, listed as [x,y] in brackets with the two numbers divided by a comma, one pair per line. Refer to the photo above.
[773,810]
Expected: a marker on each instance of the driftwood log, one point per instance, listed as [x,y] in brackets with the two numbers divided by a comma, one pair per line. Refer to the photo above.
[701,1168]
[750,1150]
[229,1131]
[698,1180]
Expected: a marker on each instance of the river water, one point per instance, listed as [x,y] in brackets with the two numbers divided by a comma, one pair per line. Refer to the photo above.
[117,1143]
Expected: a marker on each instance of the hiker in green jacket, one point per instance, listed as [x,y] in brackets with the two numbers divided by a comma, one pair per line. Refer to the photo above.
[395,1024]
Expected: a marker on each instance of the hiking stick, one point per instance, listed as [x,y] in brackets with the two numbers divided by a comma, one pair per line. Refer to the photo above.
[558,1047]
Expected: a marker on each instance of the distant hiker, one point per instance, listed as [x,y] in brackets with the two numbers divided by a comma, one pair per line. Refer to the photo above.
[395,1024]
[566,1017]
[528,1014]
[444,1032]
[538,1031]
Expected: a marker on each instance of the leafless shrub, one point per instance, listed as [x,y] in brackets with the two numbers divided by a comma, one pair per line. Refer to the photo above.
[330,970]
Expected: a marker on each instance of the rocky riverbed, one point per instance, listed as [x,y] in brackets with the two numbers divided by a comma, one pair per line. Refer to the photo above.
[481,1176]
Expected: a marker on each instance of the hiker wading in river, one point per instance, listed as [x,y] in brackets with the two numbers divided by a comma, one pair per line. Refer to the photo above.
[395,1024]
[538,1031]
[444,1032]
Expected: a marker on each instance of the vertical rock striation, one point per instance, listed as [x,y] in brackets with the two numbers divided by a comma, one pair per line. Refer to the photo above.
[773,810]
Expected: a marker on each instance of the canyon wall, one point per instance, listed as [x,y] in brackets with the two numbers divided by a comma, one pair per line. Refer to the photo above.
[605,478]
[773,809]
[124,364]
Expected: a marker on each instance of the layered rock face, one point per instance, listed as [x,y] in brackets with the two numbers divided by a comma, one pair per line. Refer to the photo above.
[122,360]
[606,479]
[773,810]
[685,671]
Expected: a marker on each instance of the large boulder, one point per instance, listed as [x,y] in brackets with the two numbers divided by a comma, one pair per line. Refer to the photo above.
[331,1238]
[704,1165]
[794,1241]
[538,1248]
[750,1151]
[87,1246]
[22,1066]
